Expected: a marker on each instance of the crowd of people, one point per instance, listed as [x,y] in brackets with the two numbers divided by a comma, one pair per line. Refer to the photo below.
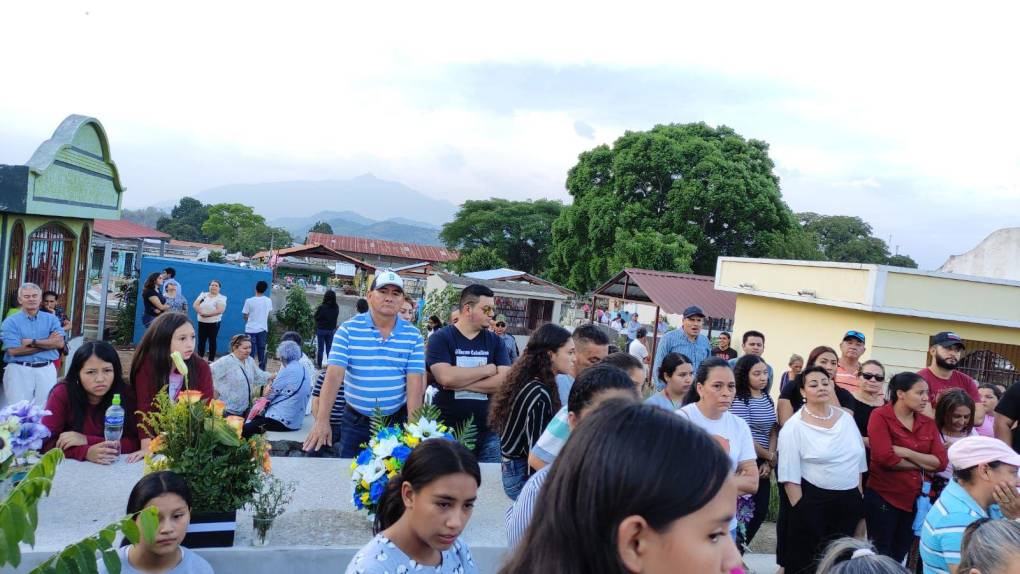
[906,474]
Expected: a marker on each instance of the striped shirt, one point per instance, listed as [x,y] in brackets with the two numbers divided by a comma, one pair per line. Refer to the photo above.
[529,414]
[678,342]
[518,516]
[760,414]
[943,527]
[375,370]
[553,438]
[336,413]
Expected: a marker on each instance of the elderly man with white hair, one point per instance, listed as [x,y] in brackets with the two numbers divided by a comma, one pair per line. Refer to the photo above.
[32,341]
[286,396]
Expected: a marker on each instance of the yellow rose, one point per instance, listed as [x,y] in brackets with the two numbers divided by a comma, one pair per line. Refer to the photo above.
[179,363]
[189,397]
[236,423]
[218,407]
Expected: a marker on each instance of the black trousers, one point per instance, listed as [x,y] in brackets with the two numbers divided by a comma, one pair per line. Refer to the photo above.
[890,528]
[820,517]
[207,332]
[261,424]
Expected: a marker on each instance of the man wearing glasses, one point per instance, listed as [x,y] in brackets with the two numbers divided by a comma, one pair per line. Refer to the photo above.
[467,362]
[849,365]
[508,340]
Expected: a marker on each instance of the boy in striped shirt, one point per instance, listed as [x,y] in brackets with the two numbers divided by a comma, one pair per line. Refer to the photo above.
[380,358]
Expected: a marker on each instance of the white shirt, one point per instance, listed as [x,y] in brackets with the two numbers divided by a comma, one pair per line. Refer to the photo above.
[732,433]
[207,303]
[257,309]
[639,350]
[832,459]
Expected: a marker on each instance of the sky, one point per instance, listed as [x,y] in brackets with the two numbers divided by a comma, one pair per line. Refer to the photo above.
[905,114]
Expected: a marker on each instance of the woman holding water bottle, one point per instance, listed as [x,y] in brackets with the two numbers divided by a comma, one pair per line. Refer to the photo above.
[79,404]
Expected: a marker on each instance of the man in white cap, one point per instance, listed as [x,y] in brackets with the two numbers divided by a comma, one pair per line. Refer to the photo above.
[380,358]
[984,486]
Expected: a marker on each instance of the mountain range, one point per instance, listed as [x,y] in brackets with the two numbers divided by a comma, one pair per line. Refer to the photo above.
[376,207]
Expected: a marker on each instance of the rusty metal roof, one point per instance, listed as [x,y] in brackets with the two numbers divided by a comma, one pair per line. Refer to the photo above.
[371,246]
[124,229]
[315,251]
[674,292]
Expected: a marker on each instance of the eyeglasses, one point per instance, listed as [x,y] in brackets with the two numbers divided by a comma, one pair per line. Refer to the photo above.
[871,376]
[489,310]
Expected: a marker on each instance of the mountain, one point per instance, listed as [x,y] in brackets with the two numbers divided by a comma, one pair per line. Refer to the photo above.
[350,223]
[370,197]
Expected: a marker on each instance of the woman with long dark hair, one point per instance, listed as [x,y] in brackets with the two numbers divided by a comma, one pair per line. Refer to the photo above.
[755,406]
[676,374]
[169,493]
[326,315]
[528,399]
[422,512]
[791,400]
[153,301]
[152,369]
[78,404]
[613,502]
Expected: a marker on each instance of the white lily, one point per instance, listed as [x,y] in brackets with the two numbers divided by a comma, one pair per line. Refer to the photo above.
[369,472]
[384,448]
[424,429]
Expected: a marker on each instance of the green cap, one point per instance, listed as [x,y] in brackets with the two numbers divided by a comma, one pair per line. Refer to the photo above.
[116,399]
[501,318]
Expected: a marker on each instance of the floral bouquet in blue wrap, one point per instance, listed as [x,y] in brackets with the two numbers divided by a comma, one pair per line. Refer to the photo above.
[384,455]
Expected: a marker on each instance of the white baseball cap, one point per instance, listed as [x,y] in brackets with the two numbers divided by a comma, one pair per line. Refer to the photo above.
[387,277]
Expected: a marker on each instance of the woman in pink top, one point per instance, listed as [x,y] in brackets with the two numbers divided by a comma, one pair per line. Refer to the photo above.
[990,395]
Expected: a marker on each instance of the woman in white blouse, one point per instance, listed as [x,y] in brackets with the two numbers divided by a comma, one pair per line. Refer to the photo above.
[237,377]
[821,458]
[209,306]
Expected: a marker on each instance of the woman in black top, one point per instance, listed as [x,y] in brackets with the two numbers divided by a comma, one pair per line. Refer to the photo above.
[526,403]
[325,324]
[153,301]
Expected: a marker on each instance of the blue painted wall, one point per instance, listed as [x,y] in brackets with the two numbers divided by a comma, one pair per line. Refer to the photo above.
[236,284]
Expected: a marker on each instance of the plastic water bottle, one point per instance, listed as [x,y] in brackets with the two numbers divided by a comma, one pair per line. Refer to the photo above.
[114,423]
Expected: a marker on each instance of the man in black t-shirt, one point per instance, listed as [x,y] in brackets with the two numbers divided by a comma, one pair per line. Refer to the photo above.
[467,362]
[1007,413]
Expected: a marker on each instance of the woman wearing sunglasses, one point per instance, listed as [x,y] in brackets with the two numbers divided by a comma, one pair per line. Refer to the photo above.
[869,396]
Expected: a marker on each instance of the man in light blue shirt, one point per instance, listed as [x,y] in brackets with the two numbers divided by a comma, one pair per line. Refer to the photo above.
[632,326]
[688,341]
[985,472]
[31,343]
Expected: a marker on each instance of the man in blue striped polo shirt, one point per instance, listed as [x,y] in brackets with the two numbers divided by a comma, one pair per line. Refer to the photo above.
[984,486]
[381,360]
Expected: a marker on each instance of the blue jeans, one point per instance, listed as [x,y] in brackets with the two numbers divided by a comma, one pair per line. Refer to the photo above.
[515,474]
[258,344]
[357,429]
[323,339]
[487,447]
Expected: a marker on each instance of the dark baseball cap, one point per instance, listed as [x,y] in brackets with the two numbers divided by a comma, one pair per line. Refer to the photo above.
[854,335]
[694,311]
[947,339]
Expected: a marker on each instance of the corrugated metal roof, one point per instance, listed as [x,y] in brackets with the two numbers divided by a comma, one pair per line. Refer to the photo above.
[371,246]
[124,229]
[315,251]
[460,281]
[674,292]
[197,245]
[495,273]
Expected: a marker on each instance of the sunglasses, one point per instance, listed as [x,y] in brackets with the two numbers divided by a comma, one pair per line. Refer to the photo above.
[870,377]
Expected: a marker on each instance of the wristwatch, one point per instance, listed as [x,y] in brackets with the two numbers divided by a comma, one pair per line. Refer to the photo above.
[32,344]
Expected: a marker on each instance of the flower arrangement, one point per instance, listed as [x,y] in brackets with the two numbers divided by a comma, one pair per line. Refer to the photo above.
[195,440]
[270,501]
[745,512]
[22,434]
[387,451]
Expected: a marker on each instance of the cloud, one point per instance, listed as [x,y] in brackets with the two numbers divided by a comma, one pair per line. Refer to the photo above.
[584,130]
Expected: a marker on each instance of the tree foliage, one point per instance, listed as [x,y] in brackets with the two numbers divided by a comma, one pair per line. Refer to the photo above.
[149,217]
[478,259]
[849,239]
[321,227]
[297,315]
[186,220]
[517,232]
[707,192]
[238,228]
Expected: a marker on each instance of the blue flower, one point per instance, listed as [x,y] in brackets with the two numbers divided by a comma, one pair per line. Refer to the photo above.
[376,492]
[29,437]
[357,500]
[365,456]
[389,432]
[401,453]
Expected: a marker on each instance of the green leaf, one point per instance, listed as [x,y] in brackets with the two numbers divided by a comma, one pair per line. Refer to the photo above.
[378,421]
[12,535]
[130,529]
[17,514]
[149,519]
[85,560]
[467,433]
[111,559]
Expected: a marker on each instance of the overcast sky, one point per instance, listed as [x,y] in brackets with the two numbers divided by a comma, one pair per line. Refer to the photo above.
[905,114]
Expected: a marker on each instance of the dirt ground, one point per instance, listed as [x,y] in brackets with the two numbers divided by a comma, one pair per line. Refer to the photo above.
[765,540]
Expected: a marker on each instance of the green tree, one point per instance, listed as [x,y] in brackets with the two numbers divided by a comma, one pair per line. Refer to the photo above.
[239,228]
[518,232]
[708,191]
[478,259]
[149,217]
[849,239]
[216,256]
[186,220]
[296,314]
[321,227]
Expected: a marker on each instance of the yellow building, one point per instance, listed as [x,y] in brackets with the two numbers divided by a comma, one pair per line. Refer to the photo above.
[799,305]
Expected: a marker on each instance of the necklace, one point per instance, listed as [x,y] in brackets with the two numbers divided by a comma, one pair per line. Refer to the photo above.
[832,412]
